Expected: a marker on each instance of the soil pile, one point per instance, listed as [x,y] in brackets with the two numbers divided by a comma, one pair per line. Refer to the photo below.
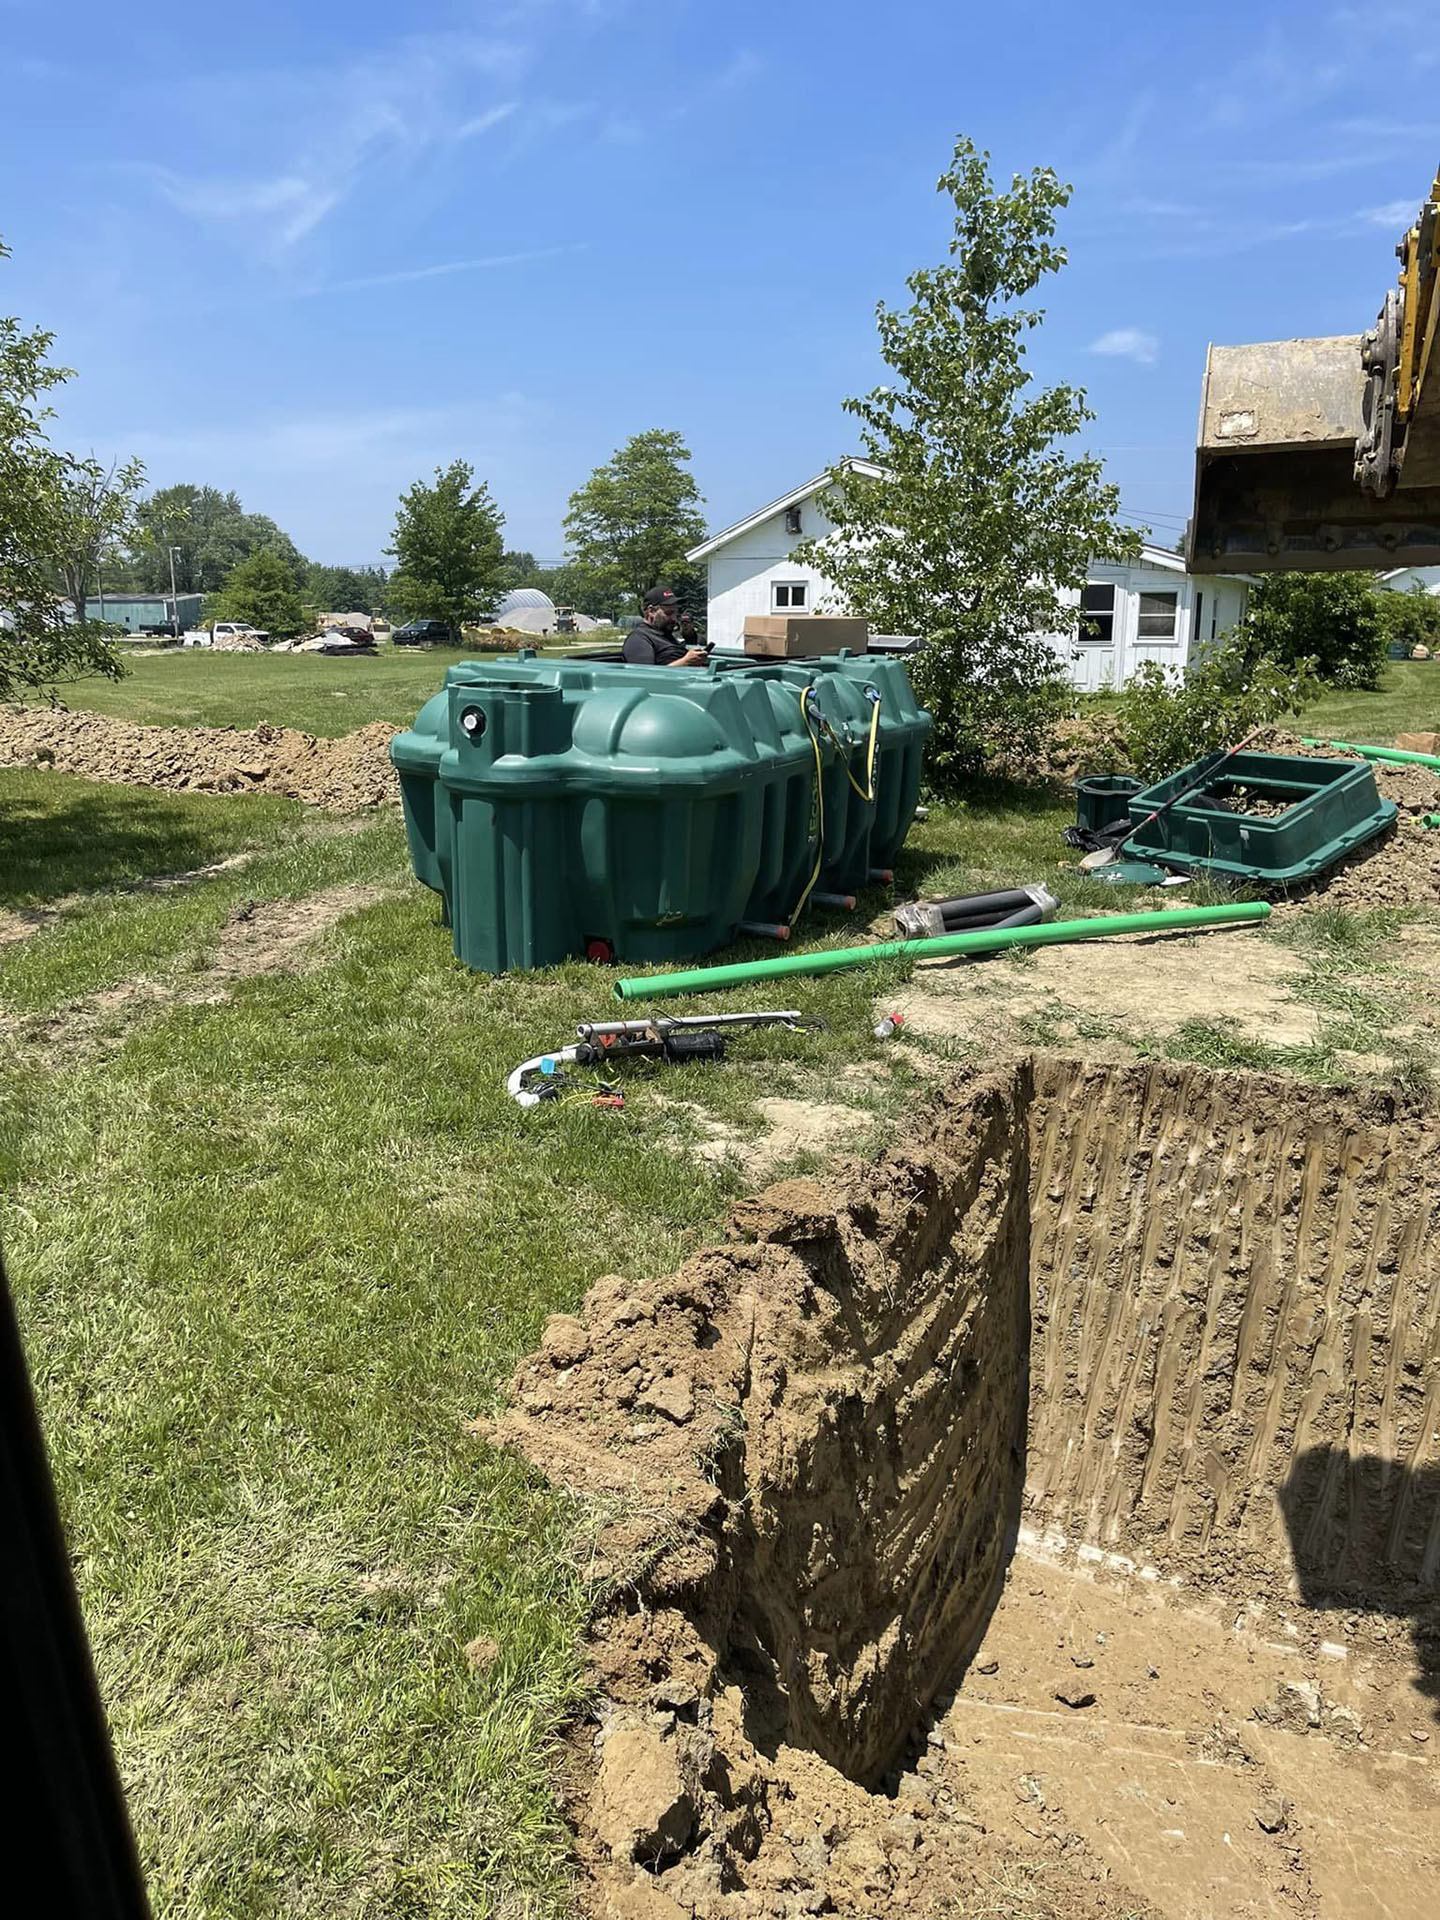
[1174,1327]
[1402,867]
[342,775]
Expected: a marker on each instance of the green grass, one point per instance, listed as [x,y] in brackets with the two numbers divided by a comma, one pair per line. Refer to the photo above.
[319,694]
[332,696]
[1408,702]
[62,835]
[271,1256]
[193,687]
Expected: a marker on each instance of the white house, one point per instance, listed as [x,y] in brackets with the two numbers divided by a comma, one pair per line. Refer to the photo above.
[1406,579]
[1148,609]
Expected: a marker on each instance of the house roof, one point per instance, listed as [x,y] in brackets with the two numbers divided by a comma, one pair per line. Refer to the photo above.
[791,499]
[1150,556]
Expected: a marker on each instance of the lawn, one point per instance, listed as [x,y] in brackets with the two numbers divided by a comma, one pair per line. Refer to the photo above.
[1408,702]
[272,1252]
[322,694]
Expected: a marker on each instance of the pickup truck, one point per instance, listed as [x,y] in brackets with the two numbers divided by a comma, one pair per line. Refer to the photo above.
[221,631]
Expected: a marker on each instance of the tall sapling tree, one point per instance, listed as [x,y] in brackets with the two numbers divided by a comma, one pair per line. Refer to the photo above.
[984,522]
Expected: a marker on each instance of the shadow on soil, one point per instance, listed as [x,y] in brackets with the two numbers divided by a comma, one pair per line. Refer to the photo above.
[1365,1534]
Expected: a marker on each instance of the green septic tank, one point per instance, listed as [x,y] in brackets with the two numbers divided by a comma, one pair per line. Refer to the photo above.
[861,836]
[557,804]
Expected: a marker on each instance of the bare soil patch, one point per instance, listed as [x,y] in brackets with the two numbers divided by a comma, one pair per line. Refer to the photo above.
[343,775]
[1148,1357]
[1138,983]
[270,937]
[789,1128]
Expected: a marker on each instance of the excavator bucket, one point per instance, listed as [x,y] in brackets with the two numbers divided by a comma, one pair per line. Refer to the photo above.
[1325,454]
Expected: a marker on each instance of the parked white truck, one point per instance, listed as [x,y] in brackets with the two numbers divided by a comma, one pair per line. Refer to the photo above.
[230,636]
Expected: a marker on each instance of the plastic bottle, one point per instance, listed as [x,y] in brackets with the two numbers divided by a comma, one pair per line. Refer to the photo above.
[891,1024]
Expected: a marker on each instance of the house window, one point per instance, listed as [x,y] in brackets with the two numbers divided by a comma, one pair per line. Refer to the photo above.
[789,596]
[1097,615]
[792,519]
[1159,615]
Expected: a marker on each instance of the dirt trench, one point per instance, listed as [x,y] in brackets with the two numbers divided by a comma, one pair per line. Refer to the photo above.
[1046,1514]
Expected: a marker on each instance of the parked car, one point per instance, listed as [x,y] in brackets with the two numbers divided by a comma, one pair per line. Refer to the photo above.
[424,633]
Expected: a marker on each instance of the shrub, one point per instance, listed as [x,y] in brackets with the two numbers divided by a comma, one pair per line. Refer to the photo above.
[1331,619]
[1228,692]
[1412,617]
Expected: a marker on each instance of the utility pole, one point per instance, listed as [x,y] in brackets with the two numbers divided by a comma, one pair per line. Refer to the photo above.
[174,603]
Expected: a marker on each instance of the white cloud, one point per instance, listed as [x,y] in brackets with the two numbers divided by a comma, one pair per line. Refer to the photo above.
[1393,216]
[443,267]
[338,128]
[483,122]
[742,66]
[1128,343]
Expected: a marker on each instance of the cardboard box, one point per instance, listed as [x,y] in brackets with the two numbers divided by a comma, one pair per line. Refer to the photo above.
[1418,742]
[792,636]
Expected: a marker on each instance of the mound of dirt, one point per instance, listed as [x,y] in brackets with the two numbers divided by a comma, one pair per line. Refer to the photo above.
[342,775]
[1153,1351]
[1402,867]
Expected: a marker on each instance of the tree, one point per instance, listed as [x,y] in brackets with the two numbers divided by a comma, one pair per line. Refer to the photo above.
[518,569]
[345,589]
[262,592]
[212,533]
[40,642]
[982,520]
[98,517]
[631,524]
[447,549]
[1411,617]
[1332,619]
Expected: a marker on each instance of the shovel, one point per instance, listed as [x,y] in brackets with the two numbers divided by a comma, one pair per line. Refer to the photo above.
[1144,873]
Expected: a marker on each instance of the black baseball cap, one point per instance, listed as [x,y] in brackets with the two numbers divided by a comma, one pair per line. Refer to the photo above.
[660,597]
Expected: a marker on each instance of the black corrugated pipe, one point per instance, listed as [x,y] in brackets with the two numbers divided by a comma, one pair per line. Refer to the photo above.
[966,913]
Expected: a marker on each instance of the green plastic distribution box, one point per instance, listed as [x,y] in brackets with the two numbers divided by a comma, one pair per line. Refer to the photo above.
[1103,798]
[1276,818]
[565,807]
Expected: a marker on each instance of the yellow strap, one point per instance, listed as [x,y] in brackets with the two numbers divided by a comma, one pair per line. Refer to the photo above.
[820,812]
[867,792]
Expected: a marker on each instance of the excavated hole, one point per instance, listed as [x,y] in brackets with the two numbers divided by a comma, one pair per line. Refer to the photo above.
[1160,1346]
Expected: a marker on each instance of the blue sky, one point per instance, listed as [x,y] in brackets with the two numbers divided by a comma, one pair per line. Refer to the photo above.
[308,254]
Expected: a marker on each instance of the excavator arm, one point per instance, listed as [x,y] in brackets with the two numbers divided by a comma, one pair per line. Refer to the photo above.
[1316,454]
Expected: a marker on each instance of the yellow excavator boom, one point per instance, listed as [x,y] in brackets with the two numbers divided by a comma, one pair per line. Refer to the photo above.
[1318,454]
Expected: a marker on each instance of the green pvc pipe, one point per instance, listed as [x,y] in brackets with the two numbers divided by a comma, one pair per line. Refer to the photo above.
[988,940]
[1400,755]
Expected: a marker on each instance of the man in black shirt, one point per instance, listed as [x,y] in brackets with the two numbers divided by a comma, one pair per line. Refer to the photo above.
[654,644]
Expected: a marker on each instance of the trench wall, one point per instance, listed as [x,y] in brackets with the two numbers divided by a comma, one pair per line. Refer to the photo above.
[1189,1319]
[1235,1301]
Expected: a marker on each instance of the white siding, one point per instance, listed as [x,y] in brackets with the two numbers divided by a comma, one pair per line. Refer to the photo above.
[1094,666]
[743,572]
[1406,579]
